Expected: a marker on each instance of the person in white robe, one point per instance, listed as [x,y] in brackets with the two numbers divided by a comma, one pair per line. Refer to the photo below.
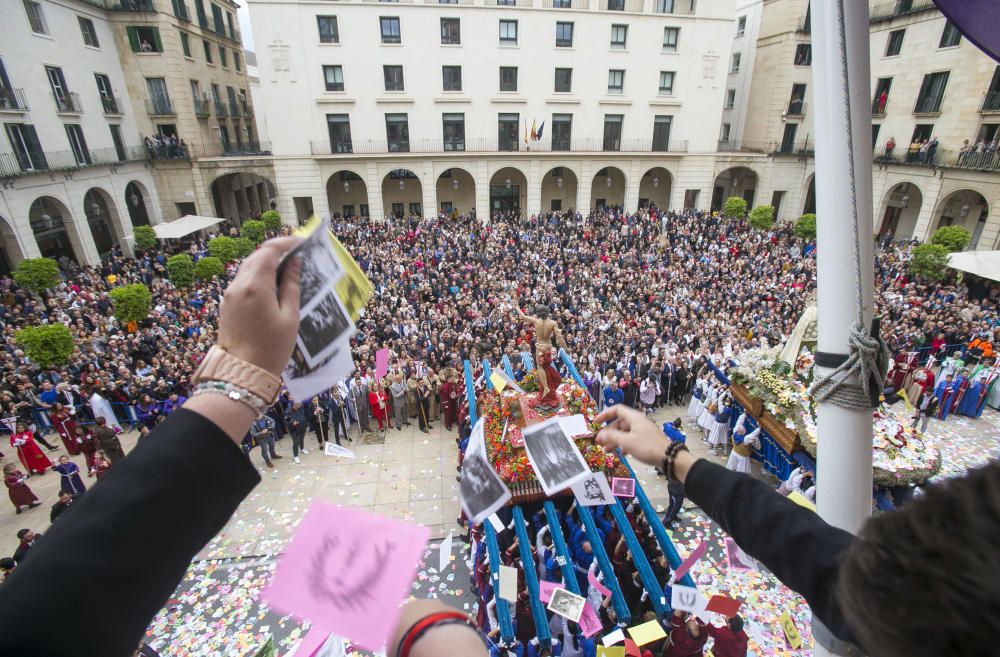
[739,458]
[706,420]
[718,435]
[100,407]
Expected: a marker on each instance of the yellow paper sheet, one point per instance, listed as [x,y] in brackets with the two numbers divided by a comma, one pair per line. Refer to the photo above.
[801,500]
[499,383]
[610,651]
[646,633]
[791,632]
[906,400]
[354,288]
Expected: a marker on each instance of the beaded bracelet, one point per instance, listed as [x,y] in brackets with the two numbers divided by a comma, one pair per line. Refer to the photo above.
[673,449]
[419,628]
[234,392]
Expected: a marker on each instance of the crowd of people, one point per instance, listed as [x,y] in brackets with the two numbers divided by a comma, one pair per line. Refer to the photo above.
[643,299]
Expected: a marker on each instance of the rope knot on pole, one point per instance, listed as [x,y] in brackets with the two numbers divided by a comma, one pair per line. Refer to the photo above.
[857,383]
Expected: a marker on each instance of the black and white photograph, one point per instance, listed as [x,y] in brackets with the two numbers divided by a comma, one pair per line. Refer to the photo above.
[593,491]
[482,489]
[303,380]
[323,328]
[566,604]
[320,268]
[555,458]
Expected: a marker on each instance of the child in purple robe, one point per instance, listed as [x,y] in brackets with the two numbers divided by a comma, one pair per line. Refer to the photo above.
[70,480]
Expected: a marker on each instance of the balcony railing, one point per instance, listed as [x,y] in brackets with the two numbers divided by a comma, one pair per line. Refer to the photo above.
[991,102]
[13,100]
[565,4]
[247,109]
[890,10]
[159,107]
[802,149]
[234,109]
[902,155]
[730,146]
[984,161]
[234,34]
[220,109]
[68,102]
[796,110]
[112,105]
[878,109]
[491,145]
[508,3]
[449,2]
[181,11]
[928,105]
[202,108]
[124,5]
[244,149]
[18,164]
[674,7]
[621,5]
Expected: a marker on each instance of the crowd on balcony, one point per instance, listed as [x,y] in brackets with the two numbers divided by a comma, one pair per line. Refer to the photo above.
[165,147]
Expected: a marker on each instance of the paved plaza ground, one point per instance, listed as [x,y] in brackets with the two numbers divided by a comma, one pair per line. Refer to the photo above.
[411,476]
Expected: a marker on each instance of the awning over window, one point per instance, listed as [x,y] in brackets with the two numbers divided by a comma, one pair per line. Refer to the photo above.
[980,263]
[186,225]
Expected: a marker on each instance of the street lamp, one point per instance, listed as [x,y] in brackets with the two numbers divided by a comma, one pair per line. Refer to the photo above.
[559,182]
[964,212]
[347,186]
[454,183]
[656,181]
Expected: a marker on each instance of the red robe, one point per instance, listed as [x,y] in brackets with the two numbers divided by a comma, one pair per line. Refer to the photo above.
[449,403]
[552,378]
[379,401]
[29,453]
[66,426]
[20,494]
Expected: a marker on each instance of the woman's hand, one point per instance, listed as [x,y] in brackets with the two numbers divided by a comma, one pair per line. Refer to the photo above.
[256,324]
[633,433]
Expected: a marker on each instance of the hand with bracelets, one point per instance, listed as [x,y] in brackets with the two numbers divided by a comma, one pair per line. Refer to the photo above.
[632,432]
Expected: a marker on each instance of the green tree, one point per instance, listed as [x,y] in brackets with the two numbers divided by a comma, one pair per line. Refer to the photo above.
[131,302]
[209,267]
[37,274]
[46,345]
[272,220]
[929,261]
[953,238]
[244,246]
[734,207]
[223,248]
[762,217]
[180,268]
[805,227]
[145,238]
[253,230]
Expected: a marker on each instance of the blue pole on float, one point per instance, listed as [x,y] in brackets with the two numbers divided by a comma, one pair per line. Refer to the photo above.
[531,581]
[503,611]
[470,394]
[559,541]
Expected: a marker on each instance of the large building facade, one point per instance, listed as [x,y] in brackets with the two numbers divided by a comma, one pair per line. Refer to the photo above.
[75,180]
[86,90]
[398,108]
[928,85]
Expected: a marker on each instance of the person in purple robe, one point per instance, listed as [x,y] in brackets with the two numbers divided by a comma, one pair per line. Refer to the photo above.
[172,403]
[945,391]
[70,481]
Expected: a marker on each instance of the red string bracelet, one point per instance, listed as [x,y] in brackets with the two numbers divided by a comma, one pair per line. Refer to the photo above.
[419,628]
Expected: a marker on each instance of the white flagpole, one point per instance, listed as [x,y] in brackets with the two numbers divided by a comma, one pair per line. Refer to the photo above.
[841,80]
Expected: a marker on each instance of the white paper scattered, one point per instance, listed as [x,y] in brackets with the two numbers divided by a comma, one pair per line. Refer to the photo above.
[687,598]
[574,425]
[611,638]
[444,556]
[508,583]
[333,449]
[497,524]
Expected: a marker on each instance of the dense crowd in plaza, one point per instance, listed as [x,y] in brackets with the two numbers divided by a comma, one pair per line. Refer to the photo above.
[643,299]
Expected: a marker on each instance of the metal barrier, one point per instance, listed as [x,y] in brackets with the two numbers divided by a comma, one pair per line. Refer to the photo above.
[44,425]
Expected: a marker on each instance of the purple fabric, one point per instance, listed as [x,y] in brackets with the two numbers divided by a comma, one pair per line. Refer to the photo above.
[975,19]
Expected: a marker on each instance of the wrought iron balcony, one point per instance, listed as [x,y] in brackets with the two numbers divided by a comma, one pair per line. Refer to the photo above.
[492,145]
[202,108]
[112,105]
[68,102]
[159,107]
[991,102]
[13,100]
[220,109]
[890,10]
[20,164]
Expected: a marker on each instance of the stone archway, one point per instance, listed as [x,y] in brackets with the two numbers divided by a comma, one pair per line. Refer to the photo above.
[402,194]
[137,201]
[559,189]
[103,219]
[508,191]
[607,189]
[456,191]
[51,222]
[734,181]
[11,252]
[347,194]
[655,187]
[242,195]
[963,207]
[900,210]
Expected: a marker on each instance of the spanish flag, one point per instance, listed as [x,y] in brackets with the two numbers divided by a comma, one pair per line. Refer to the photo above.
[534,130]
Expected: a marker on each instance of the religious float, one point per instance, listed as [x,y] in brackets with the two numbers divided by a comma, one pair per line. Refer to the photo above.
[509,411]
[775,394]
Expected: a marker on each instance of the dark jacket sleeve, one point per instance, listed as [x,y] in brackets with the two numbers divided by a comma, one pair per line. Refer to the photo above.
[106,568]
[795,544]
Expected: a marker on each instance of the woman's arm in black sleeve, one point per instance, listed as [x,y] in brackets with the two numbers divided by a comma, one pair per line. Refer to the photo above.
[794,543]
[111,561]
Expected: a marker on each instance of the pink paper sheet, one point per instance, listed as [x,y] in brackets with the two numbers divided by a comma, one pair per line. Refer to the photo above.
[381,362]
[347,571]
[690,561]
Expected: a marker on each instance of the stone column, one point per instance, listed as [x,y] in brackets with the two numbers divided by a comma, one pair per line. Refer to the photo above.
[373,185]
[482,176]
[428,183]
[534,200]
[585,186]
